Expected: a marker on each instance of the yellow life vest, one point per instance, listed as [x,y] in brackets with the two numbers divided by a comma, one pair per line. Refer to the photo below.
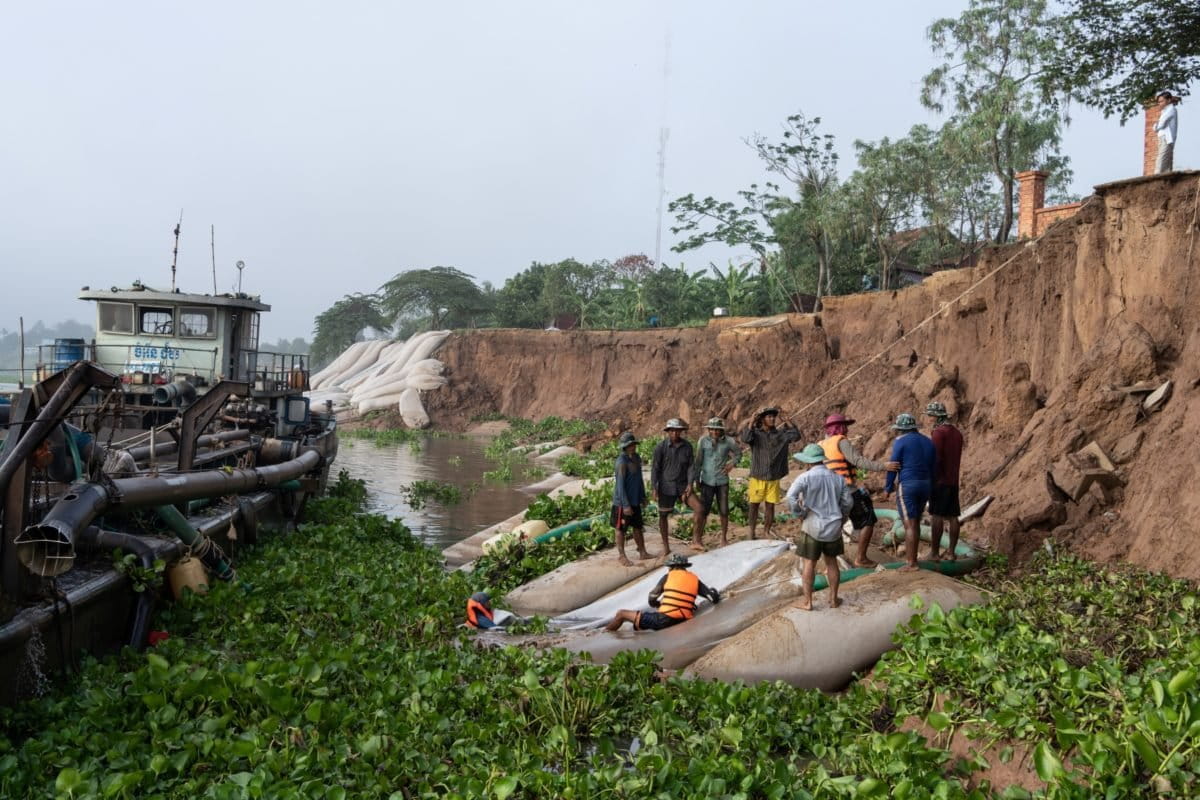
[834,458]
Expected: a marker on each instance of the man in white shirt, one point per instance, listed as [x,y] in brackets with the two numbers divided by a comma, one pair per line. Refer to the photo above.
[1167,125]
[823,499]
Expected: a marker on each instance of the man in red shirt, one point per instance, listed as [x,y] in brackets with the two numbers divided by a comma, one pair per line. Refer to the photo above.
[943,498]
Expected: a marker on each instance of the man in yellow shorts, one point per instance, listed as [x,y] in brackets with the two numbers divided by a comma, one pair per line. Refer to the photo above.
[768,464]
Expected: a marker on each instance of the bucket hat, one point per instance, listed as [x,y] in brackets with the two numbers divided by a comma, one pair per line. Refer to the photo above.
[716,423]
[677,560]
[905,422]
[627,438]
[838,419]
[936,409]
[811,454]
[675,423]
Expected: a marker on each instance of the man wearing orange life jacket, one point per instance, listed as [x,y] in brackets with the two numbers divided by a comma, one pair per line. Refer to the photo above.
[479,612]
[843,458]
[674,597]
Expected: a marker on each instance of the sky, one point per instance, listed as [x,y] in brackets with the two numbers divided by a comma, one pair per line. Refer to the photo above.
[332,145]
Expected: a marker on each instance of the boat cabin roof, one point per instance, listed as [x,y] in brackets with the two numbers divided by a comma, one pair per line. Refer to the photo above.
[139,293]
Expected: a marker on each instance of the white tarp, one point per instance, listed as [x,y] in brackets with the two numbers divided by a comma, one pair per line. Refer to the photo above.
[718,569]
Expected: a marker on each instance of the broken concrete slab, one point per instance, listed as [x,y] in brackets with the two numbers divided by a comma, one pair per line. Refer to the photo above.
[932,379]
[1125,448]
[1078,472]
[1157,398]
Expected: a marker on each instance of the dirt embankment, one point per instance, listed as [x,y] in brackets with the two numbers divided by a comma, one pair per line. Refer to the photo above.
[1032,362]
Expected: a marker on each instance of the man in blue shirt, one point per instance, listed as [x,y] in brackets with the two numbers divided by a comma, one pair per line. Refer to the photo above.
[629,495]
[917,459]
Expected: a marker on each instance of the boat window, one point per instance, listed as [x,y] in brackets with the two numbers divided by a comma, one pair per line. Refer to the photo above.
[197,323]
[156,320]
[116,317]
[250,331]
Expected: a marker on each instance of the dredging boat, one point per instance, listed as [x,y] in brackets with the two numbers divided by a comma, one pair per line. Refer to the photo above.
[169,437]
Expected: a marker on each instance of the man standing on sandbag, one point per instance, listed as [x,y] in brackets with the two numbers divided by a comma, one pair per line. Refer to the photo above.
[670,468]
[674,597]
[823,499]
[843,458]
[629,495]
[768,464]
[916,458]
[716,456]
[943,499]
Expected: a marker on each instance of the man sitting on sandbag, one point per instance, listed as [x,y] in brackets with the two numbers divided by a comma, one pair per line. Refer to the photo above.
[674,596]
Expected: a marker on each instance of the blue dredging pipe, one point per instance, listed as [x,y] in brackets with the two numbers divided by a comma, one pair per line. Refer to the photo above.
[47,548]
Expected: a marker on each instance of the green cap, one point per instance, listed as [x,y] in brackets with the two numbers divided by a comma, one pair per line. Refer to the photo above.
[811,454]
[905,422]
[675,423]
[627,438]
[936,409]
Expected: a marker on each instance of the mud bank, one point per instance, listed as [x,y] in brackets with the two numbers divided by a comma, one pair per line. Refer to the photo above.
[1036,362]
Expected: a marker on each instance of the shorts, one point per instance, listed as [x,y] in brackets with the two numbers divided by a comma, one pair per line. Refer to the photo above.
[943,501]
[623,522]
[655,621]
[862,515]
[718,494]
[915,495]
[812,549]
[761,491]
[666,503]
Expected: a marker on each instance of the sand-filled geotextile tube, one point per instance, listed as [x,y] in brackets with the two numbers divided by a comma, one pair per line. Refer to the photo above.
[823,648]
[719,569]
[576,584]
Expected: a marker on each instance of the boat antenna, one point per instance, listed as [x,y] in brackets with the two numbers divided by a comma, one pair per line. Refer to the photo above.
[212,233]
[175,252]
[241,265]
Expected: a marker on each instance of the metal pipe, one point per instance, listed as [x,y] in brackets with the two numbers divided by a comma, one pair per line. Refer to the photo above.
[142,452]
[210,555]
[146,552]
[182,391]
[47,418]
[47,548]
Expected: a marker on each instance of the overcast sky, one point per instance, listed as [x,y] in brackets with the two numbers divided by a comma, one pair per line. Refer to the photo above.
[335,144]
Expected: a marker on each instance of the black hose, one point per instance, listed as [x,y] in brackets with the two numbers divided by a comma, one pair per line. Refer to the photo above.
[143,607]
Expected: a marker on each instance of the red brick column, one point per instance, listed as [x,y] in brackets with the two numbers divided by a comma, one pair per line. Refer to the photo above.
[1030,197]
[1150,139]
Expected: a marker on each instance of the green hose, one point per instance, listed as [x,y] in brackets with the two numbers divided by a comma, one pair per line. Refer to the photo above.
[210,555]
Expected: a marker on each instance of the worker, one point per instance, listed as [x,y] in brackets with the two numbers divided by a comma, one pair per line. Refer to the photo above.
[479,612]
[674,597]
[822,498]
[843,458]
[670,467]
[943,498]
[916,458]
[629,496]
[716,456]
[768,464]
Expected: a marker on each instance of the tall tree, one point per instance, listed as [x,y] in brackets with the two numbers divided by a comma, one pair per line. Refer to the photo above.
[344,323]
[447,295]
[992,56]
[1116,55]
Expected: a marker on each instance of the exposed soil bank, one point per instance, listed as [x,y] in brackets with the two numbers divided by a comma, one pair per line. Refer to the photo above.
[1031,362]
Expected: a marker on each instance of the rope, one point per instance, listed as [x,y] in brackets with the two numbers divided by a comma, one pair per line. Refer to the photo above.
[941,309]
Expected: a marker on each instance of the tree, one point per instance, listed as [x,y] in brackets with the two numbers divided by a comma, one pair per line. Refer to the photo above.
[448,296]
[992,56]
[1115,55]
[343,323]
[575,288]
[735,287]
[636,265]
[746,224]
[519,302]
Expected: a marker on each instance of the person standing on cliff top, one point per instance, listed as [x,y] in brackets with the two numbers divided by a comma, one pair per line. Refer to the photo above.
[670,468]
[1166,127]
[943,500]
[768,464]
[916,458]
[716,456]
[629,495]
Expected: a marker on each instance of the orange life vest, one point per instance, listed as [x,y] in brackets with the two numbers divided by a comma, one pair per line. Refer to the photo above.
[679,593]
[474,608]
[834,458]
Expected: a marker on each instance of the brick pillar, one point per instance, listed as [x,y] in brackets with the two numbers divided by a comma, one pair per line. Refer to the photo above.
[1150,139]
[1030,197]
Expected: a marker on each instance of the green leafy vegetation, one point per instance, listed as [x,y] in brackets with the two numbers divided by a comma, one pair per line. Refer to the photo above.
[516,562]
[338,670]
[421,492]
[140,578]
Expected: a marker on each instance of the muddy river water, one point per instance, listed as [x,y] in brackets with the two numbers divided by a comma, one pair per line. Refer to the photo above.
[388,468]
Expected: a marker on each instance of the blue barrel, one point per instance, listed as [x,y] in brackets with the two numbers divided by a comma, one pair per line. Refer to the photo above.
[67,352]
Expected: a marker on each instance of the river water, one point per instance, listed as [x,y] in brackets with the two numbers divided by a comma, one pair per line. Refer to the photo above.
[387,468]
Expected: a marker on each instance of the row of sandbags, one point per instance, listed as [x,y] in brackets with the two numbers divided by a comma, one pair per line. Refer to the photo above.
[382,373]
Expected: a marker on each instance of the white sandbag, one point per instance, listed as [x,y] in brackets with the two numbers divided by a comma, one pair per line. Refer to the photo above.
[429,366]
[412,411]
[759,593]
[554,455]
[426,382]
[547,484]
[337,365]
[427,346]
[366,358]
[352,378]
[386,356]
[576,583]
[471,548]
[718,569]
[392,386]
[528,529]
[823,648]
[377,403]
